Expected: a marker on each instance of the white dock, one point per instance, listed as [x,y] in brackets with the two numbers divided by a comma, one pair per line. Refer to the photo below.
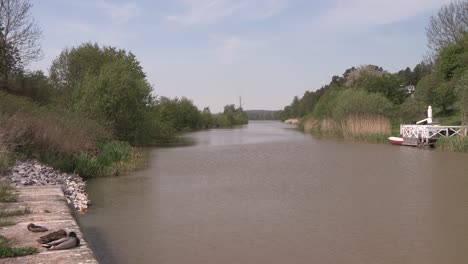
[426,135]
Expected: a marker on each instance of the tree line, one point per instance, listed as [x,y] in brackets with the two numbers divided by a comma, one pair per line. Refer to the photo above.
[93,94]
[440,81]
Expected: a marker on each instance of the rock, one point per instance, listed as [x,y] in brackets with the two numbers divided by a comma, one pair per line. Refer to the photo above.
[34,173]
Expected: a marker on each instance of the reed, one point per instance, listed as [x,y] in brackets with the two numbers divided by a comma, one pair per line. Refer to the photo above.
[354,126]
[360,128]
[455,143]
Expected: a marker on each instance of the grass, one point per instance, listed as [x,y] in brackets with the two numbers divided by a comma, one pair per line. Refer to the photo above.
[7,251]
[455,143]
[374,129]
[6,223]
[113,158]
[11,213]
[7,194]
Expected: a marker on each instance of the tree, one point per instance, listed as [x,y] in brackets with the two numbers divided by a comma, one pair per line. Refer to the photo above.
[387,85]
[9,58]
[71,67]
[118,95]
[450,62]
[20,30]
[462,96]
[355,76]
[295,107]
[448,26]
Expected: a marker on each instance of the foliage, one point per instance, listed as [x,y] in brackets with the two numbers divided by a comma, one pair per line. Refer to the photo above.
[20,31]
[7,193]
[360,103]
[387,85]
[117,95]
[7,251]
[450,61]
[231,117]
[7,223]
[181,113]
[411,110]
[207,119]
[104,162]
[34,85]
[27,125]
[462,95]
[448,27]
[455,143]
[354,76]
[10,61]
[262,115]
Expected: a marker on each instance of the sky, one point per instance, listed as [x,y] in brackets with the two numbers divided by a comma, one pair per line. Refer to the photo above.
[265,51]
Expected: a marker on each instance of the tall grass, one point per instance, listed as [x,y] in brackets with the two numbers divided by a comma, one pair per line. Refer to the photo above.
[4,156]
[455,143]
[112,158]
[361,128]
[51,135]
[25,124]
[7,193]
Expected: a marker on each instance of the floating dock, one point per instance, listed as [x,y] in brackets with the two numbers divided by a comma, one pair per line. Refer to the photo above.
[47,207]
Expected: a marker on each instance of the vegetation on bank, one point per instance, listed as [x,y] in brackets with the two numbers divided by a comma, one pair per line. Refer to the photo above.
[7,193]
[94,110]
[455,143]
[364,102]
[6,251]
[262,115]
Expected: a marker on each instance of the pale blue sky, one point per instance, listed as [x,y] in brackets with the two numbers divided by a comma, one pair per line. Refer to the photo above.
[267,51]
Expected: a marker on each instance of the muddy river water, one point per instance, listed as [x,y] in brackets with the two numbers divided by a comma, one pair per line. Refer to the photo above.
[266,193]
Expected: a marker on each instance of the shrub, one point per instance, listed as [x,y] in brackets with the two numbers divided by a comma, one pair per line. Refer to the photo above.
[360,103]
[28,126]
[455,143]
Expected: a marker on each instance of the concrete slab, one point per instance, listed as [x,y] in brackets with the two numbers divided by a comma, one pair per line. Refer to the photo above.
[48,208]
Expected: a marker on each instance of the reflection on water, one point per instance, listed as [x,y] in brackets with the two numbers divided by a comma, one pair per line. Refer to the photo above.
[265,193]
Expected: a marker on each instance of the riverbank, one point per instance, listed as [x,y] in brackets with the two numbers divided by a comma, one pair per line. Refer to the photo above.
[45,206]
[370,130]
[35,173]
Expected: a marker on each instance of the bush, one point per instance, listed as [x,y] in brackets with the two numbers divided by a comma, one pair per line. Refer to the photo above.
[107,161]
[412,110]
[360,103]
[30,127]
[455,143]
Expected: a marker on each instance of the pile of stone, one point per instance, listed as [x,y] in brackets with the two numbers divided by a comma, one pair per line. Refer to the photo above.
[34,173]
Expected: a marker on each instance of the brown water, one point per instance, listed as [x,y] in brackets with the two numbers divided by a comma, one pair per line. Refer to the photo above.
[269,194]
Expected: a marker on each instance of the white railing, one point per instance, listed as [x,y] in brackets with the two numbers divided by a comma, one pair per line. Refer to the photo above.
[426,132]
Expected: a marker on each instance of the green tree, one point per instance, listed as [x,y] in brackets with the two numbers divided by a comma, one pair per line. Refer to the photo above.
[450,62]
[118,94]
[387,85]
[71,67]
[462,96]
[207,118]
[10,61]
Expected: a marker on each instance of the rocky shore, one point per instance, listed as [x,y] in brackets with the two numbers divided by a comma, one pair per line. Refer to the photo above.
[34,173]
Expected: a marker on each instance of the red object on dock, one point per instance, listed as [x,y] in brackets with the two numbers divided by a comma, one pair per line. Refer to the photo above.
[396,140]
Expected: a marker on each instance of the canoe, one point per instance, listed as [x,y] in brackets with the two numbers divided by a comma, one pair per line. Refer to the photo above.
[396,140]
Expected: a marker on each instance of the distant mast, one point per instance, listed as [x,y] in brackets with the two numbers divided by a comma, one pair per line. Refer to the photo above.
[240,103]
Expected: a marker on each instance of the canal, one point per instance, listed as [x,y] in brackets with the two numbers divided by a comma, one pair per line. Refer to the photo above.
[266,193]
